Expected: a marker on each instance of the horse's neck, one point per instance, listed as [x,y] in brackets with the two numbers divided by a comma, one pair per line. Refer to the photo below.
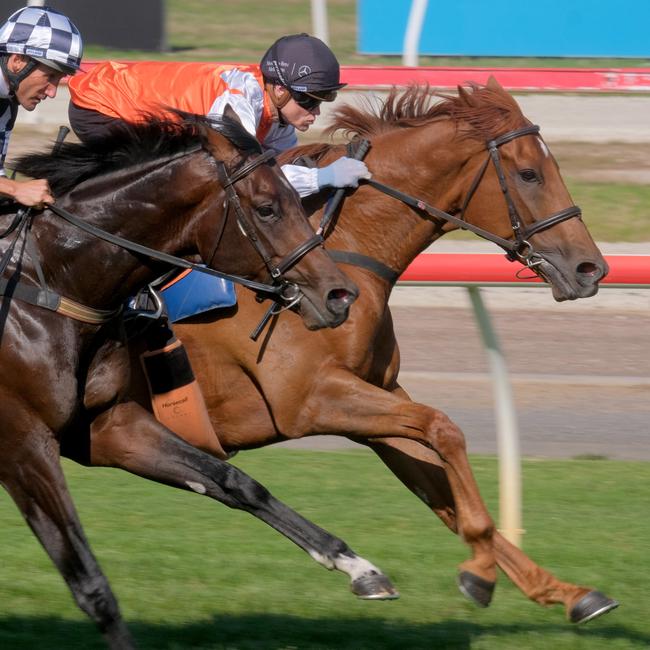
[411,161]
[100,273]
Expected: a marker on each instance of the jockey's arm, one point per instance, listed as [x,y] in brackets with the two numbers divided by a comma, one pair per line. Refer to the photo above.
[247,101]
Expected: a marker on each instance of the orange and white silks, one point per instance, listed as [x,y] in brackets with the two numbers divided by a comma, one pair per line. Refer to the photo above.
[130,91]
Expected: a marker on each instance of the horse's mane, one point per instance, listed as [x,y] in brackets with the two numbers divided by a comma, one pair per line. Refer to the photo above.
[480,112]
[126,146]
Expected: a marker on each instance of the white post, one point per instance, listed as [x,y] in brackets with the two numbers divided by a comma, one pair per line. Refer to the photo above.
[506,421]
[35,3]
[413,30]
[319,20]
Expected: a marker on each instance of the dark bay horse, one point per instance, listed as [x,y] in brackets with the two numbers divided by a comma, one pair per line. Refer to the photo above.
[293,383]
[63,359]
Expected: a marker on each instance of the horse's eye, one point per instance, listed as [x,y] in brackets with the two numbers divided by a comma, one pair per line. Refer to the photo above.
[528,175]
[265,212]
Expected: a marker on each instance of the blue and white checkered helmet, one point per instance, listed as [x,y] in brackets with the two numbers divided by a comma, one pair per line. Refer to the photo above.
[45,35]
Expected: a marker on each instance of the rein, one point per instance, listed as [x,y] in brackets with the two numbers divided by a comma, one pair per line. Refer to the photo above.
[519,249]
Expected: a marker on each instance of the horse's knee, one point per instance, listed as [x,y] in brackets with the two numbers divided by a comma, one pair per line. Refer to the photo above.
[449,440]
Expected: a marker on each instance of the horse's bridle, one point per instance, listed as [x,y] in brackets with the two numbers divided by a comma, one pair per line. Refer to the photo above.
[519,249]
[522,248]
[246,226]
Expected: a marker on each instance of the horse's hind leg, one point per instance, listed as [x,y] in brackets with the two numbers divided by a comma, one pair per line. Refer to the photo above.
[32,474]
[419,469]
[128,437]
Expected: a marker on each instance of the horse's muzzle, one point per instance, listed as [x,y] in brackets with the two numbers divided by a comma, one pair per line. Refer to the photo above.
[329,310]
[573,280]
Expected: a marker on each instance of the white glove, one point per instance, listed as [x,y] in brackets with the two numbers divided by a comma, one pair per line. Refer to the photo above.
[344,172]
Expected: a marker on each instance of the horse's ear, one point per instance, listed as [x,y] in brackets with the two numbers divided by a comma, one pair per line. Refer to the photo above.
[493,84]
[229,112]
[216,143]
[465,96]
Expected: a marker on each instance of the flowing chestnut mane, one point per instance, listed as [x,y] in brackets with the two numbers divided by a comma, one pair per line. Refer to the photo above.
[486,110]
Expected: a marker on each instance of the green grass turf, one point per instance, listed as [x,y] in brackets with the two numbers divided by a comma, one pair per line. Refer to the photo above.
[189,573]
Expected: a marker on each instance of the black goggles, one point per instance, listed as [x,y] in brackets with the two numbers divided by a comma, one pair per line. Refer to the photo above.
[310,101]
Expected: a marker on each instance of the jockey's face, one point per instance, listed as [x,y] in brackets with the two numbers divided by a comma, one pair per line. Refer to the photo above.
[292,113]
[40,83]
[299,117]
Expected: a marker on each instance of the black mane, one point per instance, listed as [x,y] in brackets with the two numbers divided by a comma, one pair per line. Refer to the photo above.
[127,146]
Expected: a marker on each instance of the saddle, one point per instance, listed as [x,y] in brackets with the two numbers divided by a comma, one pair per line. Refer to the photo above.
[191,293]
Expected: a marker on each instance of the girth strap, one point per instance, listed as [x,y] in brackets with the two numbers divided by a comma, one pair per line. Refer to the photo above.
[54,302]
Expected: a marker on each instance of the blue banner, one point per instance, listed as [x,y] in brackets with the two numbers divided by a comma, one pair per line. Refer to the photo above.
[554,28]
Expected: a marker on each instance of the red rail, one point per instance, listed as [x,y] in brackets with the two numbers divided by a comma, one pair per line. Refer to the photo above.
[488,268]
[522,79]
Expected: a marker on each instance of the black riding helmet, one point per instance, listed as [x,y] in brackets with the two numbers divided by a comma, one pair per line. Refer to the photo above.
[303,64]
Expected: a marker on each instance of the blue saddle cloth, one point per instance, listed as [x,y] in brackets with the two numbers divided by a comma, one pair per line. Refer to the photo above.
[194,293]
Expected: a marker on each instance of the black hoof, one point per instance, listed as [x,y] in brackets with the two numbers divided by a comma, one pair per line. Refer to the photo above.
[374,587]
[593,605]
[476,589]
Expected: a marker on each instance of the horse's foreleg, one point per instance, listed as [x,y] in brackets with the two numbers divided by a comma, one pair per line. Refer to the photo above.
[32,475]
[419,469]
[366,412]
[128,437]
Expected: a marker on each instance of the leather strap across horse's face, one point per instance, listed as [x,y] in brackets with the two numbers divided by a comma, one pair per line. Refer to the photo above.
[523,249]
[291,292]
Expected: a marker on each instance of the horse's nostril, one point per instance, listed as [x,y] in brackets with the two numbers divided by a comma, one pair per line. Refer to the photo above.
[338,300]
[589,274]
[589,268]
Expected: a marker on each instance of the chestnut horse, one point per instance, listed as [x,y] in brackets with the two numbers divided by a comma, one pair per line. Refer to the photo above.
[63,359]
[292,383]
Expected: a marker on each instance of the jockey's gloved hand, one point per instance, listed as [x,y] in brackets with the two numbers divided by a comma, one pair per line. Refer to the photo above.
[344,172]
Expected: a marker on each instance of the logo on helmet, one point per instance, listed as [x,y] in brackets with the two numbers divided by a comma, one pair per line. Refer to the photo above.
[304,70]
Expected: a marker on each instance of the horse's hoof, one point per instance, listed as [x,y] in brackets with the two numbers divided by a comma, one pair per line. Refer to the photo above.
[476,589]
[593,605]
[375,586]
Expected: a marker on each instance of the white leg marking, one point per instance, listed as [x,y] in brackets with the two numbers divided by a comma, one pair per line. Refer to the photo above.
[199,488]
[321,559]
[355,567]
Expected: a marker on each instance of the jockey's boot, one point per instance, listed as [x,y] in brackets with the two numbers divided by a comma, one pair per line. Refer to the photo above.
[176,397]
